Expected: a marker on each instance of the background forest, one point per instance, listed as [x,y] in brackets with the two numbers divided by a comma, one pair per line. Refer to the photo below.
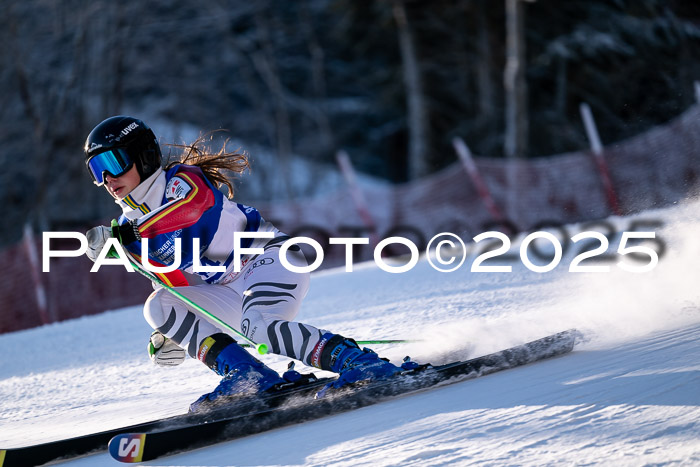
[389,81]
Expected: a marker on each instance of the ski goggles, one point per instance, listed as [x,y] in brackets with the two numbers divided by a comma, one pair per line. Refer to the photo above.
[116,162]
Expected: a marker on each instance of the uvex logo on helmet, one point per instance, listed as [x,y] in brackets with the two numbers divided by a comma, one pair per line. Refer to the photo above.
[129,129]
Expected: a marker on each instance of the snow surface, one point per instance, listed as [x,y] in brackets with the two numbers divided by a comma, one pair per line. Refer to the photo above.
[628,395]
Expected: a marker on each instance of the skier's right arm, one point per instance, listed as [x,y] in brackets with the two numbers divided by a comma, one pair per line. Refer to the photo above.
[183,208]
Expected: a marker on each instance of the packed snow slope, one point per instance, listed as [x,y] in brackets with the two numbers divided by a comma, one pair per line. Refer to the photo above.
[629,394]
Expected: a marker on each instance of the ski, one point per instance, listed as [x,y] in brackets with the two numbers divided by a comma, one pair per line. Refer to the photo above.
[281,410]
[96,442]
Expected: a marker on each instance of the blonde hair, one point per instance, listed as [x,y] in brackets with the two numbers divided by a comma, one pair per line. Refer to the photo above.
[212,164]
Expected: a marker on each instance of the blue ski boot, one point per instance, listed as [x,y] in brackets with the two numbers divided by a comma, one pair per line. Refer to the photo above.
[242,373]
[341,355]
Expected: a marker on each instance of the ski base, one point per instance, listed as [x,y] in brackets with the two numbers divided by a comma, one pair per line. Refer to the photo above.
[287,408]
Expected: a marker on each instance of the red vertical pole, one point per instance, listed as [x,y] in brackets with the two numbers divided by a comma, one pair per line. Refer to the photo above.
[601,164]
[465,156]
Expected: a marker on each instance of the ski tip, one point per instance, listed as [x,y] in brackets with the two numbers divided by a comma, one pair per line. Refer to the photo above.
[127,447]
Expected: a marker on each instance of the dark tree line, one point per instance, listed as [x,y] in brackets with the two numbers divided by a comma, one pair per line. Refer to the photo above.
[389,81]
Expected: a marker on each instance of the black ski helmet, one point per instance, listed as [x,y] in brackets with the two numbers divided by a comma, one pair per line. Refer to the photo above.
[129,134]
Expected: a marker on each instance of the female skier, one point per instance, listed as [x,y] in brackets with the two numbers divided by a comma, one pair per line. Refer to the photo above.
[182,200]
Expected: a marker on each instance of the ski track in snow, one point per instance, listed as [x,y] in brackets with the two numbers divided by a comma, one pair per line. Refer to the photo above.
[628,395]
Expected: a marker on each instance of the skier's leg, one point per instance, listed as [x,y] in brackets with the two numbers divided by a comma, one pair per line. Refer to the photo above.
[188,328]
[272,298]
[241,372]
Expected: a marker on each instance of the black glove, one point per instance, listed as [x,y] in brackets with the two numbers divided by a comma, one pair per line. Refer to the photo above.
[127,233]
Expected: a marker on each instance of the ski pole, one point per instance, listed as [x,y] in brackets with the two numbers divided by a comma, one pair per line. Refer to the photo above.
[389,341]
[261,348]
[375,342]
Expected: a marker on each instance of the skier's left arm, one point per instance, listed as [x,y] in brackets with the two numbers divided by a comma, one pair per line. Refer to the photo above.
[188,195]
